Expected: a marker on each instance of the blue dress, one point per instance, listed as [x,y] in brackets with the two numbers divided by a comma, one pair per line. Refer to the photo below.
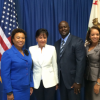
[16,73]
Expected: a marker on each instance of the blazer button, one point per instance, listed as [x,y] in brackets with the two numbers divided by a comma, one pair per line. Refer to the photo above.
[26,62]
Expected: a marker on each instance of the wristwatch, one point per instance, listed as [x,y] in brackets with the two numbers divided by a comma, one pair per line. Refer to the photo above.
[98,83]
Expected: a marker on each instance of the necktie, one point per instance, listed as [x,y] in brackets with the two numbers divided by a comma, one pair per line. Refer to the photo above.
[62,47]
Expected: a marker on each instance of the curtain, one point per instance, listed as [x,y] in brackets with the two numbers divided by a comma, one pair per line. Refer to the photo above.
[35,14]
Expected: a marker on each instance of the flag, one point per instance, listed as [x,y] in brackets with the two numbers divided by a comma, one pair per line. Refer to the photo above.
[7,24]
[95,14]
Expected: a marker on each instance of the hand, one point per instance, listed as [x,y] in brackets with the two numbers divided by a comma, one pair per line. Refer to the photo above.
[98,80]
[10,97]
[57,87]
[76,87]
[96,88]
[31,90]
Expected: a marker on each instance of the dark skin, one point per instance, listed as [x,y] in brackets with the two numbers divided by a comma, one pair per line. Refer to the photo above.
[19,41]
[64,31]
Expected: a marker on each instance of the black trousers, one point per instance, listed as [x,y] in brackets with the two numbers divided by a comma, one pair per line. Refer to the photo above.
[67,94]
[44,93]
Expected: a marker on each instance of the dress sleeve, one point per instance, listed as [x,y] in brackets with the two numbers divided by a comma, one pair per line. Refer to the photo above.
[5,72]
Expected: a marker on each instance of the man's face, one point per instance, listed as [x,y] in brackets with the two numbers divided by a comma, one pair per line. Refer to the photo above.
[63,29]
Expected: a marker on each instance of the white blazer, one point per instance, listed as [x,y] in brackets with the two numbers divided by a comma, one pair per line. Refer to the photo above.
[47,70]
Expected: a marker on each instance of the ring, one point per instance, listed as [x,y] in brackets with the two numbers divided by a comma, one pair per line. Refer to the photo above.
[78,89]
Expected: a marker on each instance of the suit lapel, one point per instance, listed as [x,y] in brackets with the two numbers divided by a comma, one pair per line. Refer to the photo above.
[58,49]
[18,53]
[96,49]
[66,44]
[37,54]
[44,54]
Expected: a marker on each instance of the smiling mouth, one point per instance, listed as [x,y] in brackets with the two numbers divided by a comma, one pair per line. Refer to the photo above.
[42,42]
[95,39]
[63,32]
[20,43]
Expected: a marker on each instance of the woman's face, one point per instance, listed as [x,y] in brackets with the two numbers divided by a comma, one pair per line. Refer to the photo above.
[94,36]
[19,40]
[42,40]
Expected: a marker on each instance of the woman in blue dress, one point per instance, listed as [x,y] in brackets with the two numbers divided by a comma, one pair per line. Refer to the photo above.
[16,69]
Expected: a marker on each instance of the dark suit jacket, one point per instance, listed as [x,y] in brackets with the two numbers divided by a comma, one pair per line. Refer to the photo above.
[72,62]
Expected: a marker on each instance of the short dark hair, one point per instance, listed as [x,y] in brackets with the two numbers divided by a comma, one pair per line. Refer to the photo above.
[39,31]
[17,30]
[89,31]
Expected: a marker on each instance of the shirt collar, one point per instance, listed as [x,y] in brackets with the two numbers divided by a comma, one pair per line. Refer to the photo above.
[65,39]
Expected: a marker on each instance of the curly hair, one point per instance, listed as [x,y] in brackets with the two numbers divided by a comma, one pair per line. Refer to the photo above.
[89,32]
[17,30]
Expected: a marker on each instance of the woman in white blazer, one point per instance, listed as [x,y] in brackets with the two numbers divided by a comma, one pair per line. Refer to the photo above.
[45,70]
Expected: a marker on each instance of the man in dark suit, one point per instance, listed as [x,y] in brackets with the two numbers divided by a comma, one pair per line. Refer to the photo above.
[71,63]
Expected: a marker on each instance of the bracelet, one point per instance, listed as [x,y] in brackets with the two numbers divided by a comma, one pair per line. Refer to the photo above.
[98,83]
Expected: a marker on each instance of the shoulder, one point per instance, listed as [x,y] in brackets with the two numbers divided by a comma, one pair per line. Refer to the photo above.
[99,44]
[50,46]
[32,47]
[57,42]
[9,52]
[87,45]
[76,38]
